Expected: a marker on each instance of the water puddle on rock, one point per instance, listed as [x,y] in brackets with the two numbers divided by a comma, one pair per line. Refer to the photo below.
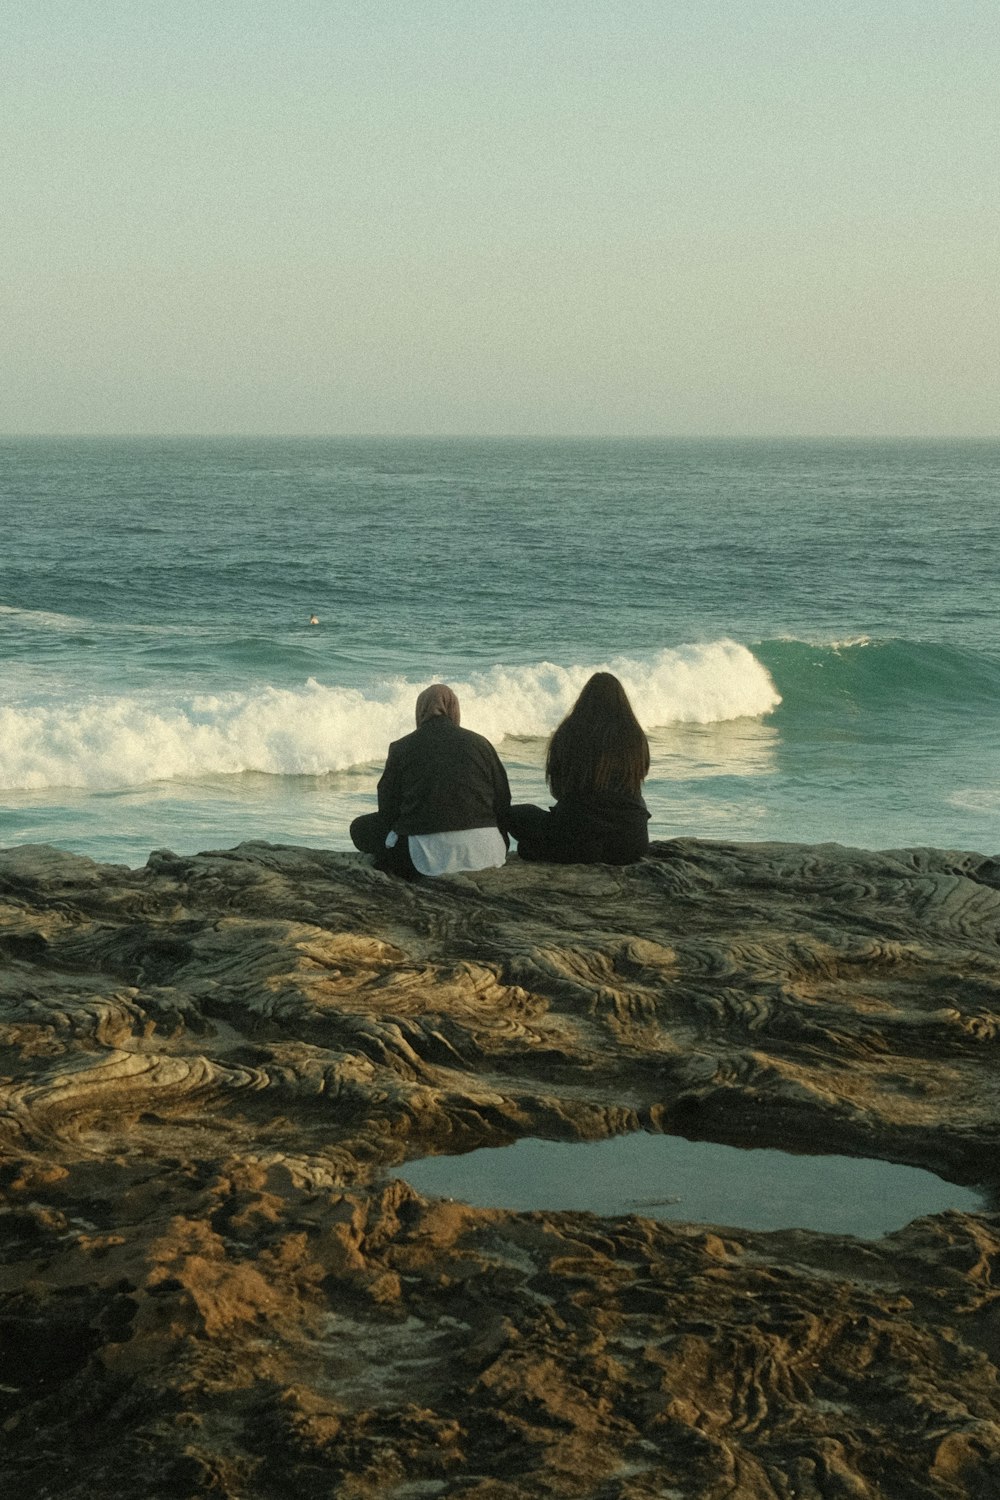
[667,1177]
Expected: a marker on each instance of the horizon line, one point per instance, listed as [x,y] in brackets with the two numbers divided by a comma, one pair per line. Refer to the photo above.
[519,437]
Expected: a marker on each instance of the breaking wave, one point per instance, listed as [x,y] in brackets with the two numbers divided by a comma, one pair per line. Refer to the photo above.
[116,741]
[881,677]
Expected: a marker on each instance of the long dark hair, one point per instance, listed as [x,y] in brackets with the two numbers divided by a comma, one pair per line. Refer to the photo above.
[599,746]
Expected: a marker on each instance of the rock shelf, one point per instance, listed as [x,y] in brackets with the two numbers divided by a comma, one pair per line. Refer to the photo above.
[210,1064]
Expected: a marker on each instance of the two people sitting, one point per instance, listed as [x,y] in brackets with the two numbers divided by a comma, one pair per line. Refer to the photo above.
[444,801]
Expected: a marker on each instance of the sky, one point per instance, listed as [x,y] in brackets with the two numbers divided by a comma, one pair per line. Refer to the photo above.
[555,217]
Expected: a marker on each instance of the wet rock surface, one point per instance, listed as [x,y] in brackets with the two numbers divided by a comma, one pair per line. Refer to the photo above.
[208,1286]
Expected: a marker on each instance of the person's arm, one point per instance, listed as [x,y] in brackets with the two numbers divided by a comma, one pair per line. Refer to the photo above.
[501,795]
[554,768]
[390,788]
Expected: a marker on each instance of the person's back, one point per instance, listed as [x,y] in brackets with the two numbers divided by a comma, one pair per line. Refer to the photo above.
[597,760]
[443,798]
[440,779]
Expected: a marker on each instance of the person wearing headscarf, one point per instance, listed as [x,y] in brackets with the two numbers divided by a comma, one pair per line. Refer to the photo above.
[597,760]
[443,798]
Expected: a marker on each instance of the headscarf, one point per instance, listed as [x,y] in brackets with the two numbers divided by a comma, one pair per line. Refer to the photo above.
[437,699]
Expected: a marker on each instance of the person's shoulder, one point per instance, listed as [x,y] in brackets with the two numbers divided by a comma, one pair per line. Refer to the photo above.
[399,747]
[484,751]
[472,738]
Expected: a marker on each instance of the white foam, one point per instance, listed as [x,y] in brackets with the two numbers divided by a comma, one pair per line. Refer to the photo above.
[824,643]
[48,619]
[108,742]
[975,799]
[851,643]
[681,685]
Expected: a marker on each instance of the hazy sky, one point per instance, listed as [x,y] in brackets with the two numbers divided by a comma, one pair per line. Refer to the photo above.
[489,216]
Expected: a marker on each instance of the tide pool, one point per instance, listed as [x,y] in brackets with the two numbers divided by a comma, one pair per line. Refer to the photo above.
[668,1177]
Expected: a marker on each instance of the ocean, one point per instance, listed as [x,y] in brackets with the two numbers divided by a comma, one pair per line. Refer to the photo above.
[807,630]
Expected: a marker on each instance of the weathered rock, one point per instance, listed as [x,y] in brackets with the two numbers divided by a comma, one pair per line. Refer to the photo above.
[208,1285]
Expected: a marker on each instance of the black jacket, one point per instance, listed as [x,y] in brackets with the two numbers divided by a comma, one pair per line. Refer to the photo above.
[440,779]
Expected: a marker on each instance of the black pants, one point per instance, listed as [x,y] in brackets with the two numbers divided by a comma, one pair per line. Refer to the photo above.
[369,833]
[557,838]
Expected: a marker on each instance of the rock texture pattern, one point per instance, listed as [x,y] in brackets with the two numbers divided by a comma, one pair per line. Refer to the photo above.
[208,1285]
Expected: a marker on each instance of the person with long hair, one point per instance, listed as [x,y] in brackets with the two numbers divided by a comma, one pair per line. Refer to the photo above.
[443,797]
[597,760]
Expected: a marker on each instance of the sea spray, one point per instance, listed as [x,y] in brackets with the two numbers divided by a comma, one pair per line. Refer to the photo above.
[107,742]
[696,684]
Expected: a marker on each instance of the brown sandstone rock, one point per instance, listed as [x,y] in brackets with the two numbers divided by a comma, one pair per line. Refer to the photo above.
[209,1287]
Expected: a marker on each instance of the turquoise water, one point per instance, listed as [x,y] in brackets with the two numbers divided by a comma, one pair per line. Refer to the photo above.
[806,629]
